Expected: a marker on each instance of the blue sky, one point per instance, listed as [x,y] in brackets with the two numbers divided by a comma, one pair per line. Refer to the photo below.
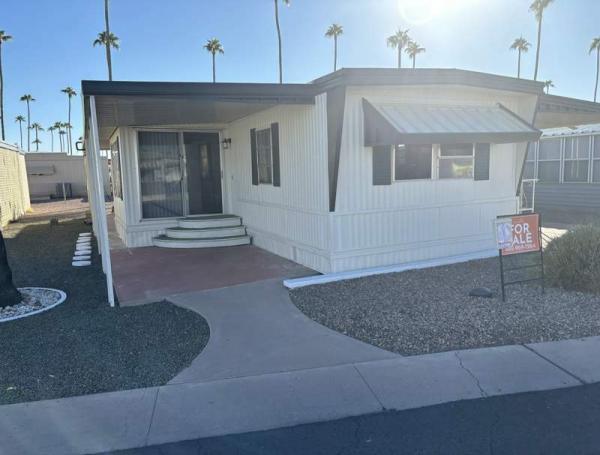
[162,40]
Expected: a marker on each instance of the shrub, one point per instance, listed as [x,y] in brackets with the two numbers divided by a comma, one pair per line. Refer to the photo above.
[572,261]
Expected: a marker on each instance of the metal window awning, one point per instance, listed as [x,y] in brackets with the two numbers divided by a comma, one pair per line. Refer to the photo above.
[399,123]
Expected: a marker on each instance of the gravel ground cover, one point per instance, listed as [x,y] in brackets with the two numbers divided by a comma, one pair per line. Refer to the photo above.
[83,346]
[429,310]
[34,300]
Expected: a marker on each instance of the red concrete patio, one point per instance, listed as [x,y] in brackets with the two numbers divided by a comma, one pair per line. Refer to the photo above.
[150,274]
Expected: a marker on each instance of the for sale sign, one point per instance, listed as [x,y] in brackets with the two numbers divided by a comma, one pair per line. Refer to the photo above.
[518,234]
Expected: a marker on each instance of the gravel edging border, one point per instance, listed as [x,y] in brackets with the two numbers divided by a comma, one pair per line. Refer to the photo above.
[63,297]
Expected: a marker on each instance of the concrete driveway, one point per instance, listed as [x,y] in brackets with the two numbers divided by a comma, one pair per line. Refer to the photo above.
[255,329]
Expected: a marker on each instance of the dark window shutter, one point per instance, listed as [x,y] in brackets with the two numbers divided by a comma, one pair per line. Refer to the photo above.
[382,165]
[275,152]
[482,162]
[253,156]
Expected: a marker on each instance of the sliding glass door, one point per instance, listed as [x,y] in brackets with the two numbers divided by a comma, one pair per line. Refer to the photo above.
[161,175]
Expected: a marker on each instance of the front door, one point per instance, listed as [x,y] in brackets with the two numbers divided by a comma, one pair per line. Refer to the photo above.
[203,169]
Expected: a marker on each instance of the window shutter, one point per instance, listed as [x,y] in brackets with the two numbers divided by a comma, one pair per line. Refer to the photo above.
[275,152]
[382,165]
[482,162]
[253,156]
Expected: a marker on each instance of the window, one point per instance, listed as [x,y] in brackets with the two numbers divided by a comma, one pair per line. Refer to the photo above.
[596,160]
[577,159]
[115,167]
[412,162]
[264,156]
[549,161]
[456,161]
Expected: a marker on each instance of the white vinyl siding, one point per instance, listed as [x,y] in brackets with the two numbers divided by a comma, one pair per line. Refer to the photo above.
[413,220]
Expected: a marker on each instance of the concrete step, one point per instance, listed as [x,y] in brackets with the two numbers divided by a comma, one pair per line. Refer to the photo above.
[167,242]
[205,233]
[209,221]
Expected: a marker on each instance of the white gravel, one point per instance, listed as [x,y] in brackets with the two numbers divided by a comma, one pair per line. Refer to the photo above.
[35,300]
[429,310]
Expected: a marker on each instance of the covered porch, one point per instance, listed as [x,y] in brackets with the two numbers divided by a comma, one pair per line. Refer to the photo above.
[168,153]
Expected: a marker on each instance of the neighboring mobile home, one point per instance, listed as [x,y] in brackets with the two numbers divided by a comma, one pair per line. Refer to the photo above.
[566,164]
[360,168]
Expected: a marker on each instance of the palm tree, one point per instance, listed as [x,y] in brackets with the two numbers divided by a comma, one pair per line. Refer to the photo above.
[413,49]
[108,40]
[538,7]
[51,130]
[547,85]
[334,31]
[37,128]
[595,46]
[58,127]
[287,2]
[70,92]
[9,295]
[214,46]
[399,40]
[521,45]
[20,119]
[107,43]
[62,131]
[4,38]
[28,99]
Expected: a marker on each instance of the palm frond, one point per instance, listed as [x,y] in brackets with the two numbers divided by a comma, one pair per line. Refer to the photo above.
[399,39]
[334,30]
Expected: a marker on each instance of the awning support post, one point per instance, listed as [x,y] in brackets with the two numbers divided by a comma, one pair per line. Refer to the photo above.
[97,204]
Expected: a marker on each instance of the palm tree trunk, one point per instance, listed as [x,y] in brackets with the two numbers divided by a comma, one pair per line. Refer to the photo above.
[214,71]
[537,52]
[28,127]
[1,94]
[69,129]
[107,44]
[278,40]
[9,295]
[52,141]
[399,57]
[60,138]
[519,66]
[597,72]
[414,61]
[21,133]
[335,53]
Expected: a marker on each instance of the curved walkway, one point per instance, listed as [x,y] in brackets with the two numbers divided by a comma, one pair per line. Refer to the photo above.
[255,329]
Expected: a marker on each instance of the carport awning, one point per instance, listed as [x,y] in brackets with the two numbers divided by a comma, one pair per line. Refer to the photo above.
[399,123]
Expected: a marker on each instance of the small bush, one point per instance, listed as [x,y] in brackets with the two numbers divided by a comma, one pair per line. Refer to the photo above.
[572,261]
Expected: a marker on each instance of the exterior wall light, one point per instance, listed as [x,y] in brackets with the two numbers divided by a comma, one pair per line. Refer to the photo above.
[226,143]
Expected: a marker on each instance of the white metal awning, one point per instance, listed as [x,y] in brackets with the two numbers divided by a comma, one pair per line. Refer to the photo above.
[400,123]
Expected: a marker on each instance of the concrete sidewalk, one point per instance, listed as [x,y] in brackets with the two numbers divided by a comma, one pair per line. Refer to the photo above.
[191,410]
[255,329]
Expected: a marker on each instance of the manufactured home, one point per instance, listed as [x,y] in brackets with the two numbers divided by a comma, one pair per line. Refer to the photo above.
[358,169]
[565,163]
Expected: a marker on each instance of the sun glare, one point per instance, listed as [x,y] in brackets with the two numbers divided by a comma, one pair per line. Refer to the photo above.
[418,12]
